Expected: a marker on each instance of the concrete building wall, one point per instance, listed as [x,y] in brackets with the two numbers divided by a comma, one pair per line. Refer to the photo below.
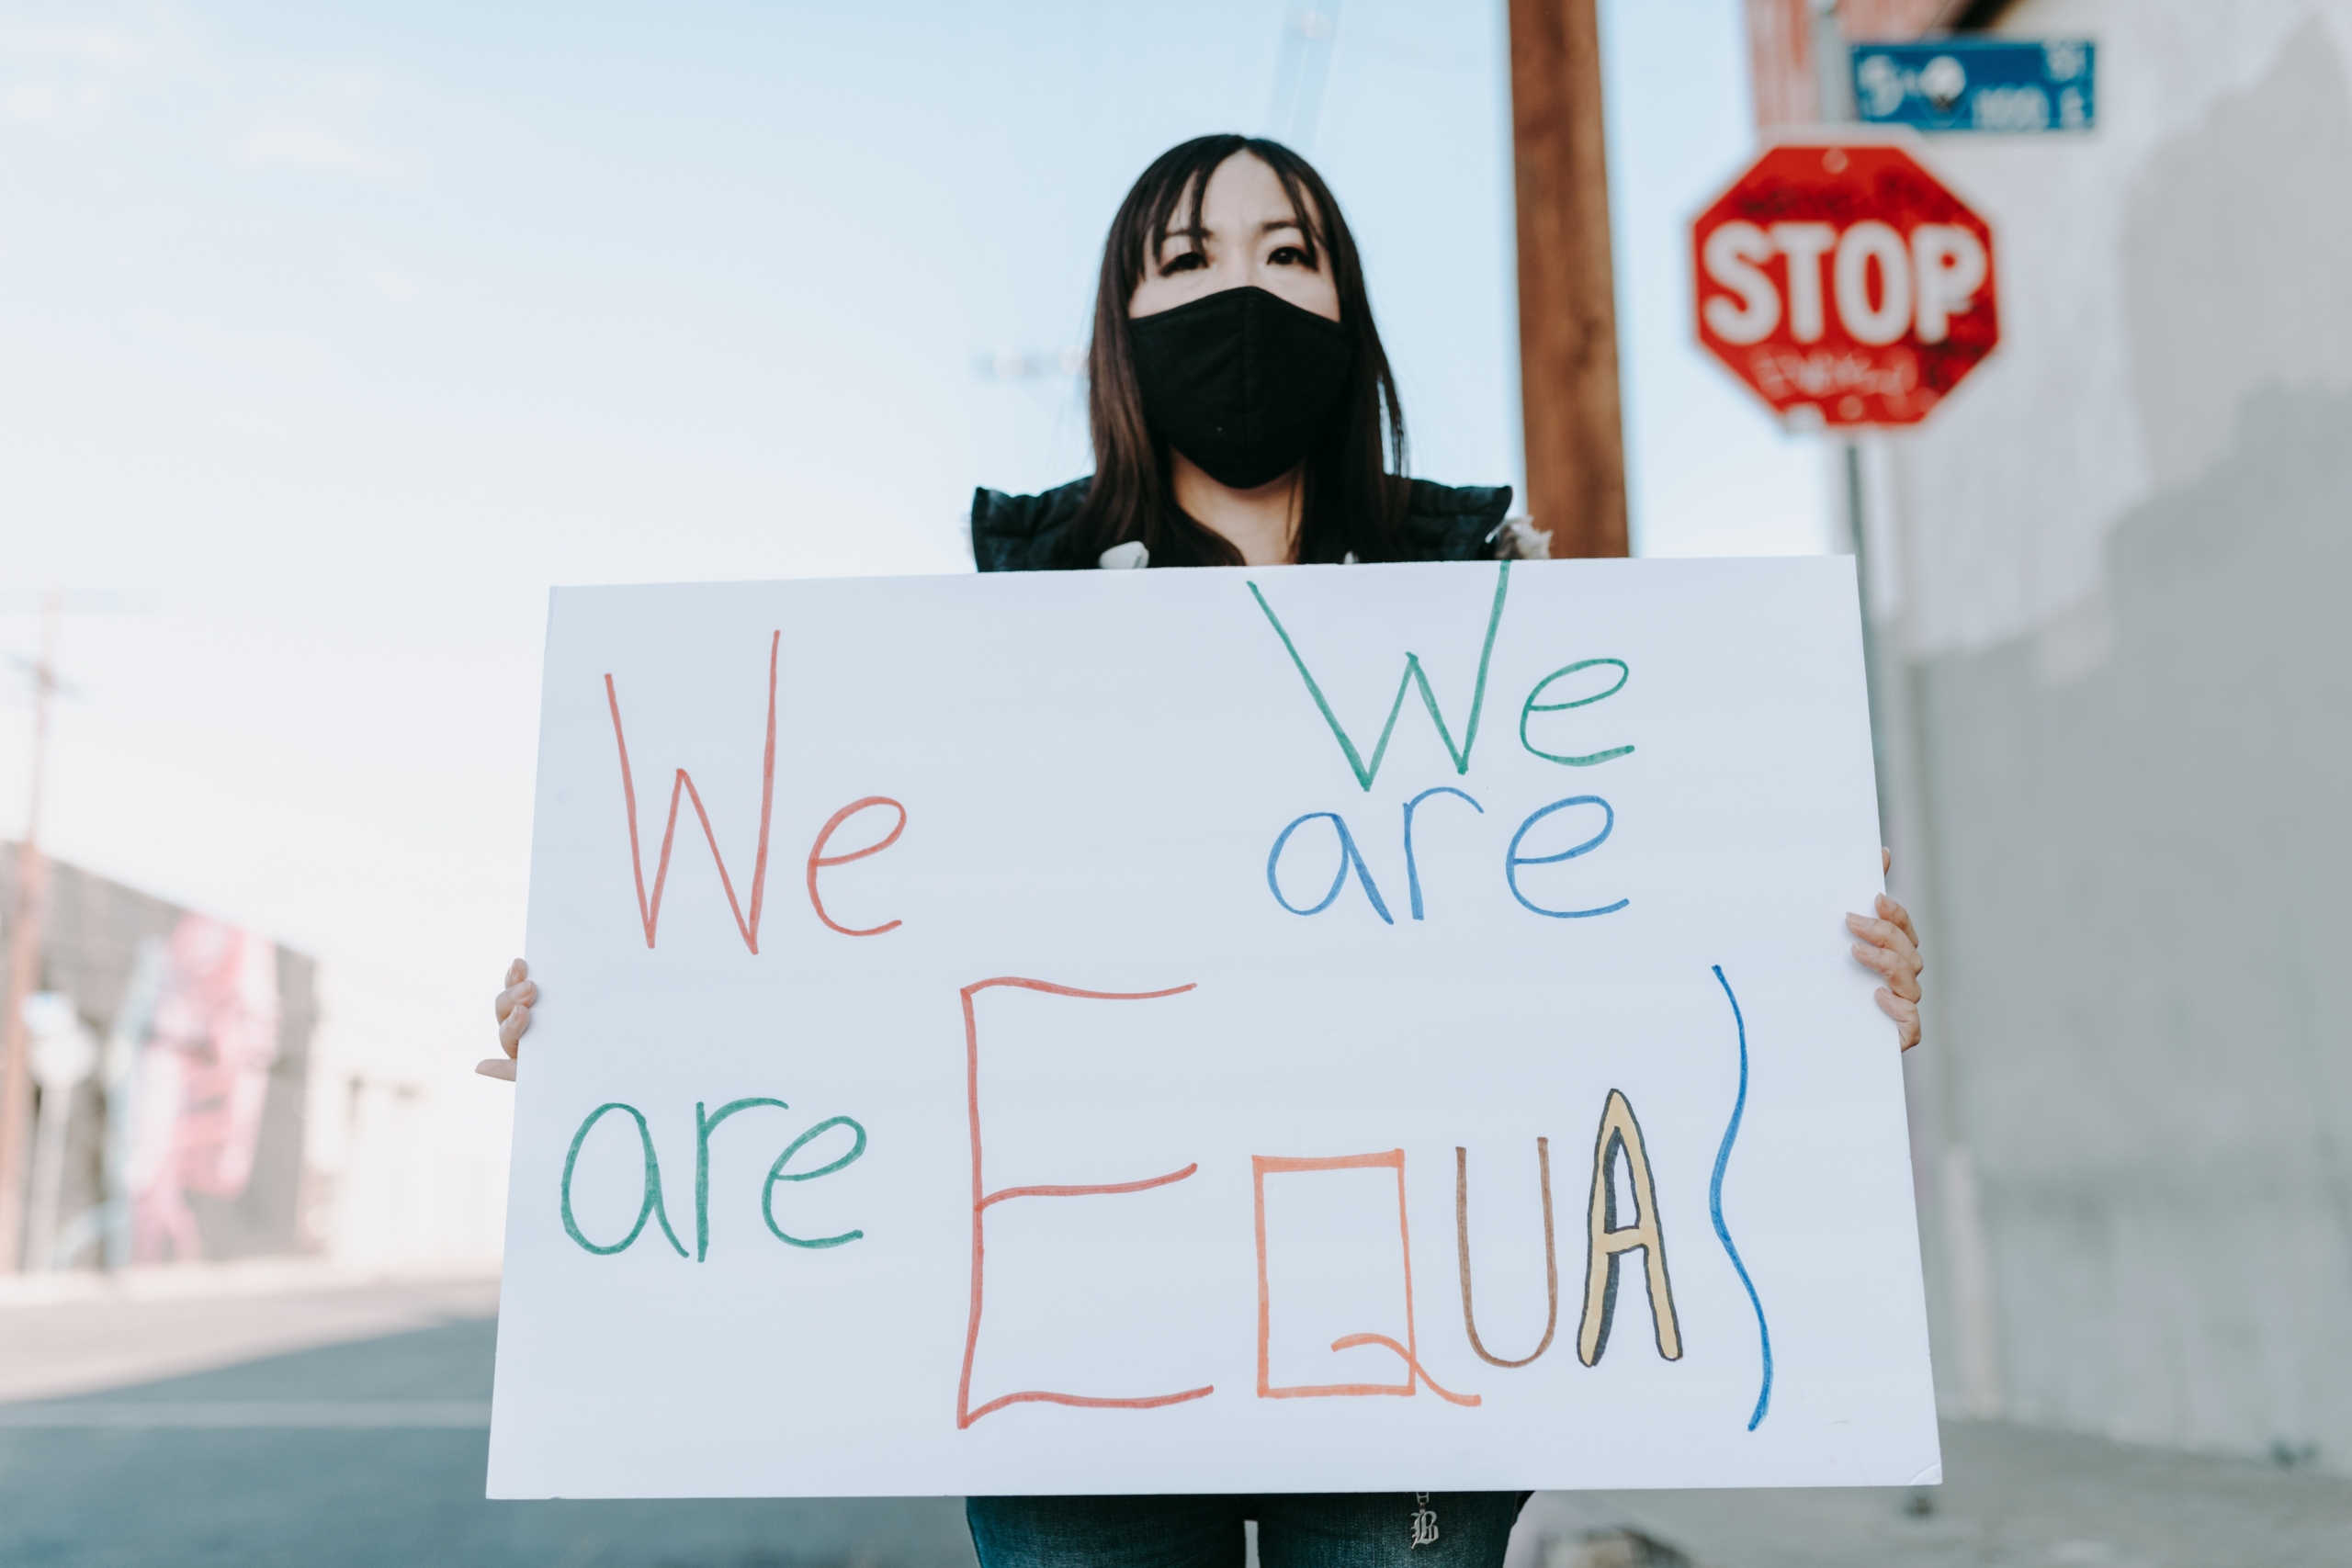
[2116,577]
[91,945]
[377,1145]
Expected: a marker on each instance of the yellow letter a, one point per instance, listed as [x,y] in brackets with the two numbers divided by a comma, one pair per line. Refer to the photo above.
[1621,1134]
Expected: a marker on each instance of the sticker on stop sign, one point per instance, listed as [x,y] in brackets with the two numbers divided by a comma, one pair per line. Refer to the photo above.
[1845,283]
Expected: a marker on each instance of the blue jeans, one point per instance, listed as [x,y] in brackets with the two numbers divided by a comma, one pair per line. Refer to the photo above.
[1322,1529]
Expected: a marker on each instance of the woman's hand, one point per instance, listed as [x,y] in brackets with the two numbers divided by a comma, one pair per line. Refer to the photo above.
[514,1006]
[1887,944]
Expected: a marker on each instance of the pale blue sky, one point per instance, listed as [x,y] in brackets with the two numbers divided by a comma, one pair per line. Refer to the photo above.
[340,333]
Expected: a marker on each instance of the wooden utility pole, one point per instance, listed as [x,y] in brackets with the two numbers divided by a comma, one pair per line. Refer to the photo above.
[1567,307]
[23,967]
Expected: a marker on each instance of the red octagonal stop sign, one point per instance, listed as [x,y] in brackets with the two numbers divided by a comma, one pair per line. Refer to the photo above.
[1845,283]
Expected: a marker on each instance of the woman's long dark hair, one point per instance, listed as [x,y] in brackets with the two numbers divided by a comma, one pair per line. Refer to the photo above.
[1353,499]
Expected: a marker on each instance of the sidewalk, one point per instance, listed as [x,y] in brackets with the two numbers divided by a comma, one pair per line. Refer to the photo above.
[389,1427]
[81,1333]
[370,1455]
[2013,1496]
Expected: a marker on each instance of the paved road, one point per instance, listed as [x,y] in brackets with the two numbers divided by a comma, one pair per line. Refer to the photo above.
[174,1481]
[372,1453]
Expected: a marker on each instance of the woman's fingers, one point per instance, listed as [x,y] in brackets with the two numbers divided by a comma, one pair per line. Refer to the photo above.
[1890,945]
[1887,962]
[513,1006]
[514,1010]
[1901,976]
[1905,1014]
[1884,948]
[513,996]
[1895,939]
[1895,913]
[1886,939]
[1891,911]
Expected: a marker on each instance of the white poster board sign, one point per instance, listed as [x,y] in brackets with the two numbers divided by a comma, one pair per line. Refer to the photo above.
[1321,1028]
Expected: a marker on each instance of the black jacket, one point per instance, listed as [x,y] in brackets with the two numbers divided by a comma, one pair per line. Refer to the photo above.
[1031,533]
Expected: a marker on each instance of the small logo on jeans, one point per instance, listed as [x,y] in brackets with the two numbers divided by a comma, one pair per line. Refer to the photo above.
[1424,1520]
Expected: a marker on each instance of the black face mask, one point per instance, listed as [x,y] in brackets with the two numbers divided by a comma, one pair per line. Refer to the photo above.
[1242,381]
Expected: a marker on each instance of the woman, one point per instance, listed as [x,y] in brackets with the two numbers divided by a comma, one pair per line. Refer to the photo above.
[1243,414]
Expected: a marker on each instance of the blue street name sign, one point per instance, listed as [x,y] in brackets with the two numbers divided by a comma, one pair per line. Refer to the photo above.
[1977,84]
